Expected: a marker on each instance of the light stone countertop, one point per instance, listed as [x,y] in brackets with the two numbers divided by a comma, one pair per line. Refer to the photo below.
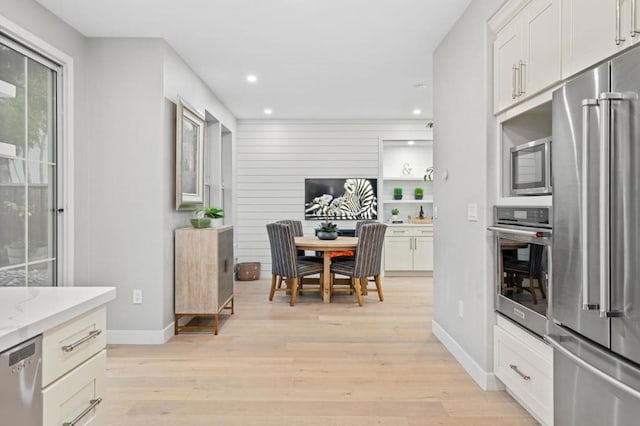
[26,312]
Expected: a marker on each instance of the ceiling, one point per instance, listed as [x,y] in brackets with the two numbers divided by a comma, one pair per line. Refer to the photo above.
[314,59]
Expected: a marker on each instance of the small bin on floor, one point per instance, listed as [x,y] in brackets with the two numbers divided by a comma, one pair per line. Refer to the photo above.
[248,271]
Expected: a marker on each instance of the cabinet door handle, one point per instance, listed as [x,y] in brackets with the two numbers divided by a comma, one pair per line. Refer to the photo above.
[520,373]
[85,339]
[523,78]
[92,404]
[226,265]
[514,81]
[633,31]
[619,38]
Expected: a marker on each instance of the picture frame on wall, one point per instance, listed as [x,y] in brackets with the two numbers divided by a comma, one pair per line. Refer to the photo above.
[190,125]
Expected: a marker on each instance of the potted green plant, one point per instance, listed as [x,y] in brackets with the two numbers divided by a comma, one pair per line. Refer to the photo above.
[215,214]
[418,193]
[394,214]
[327,231]
[397,193]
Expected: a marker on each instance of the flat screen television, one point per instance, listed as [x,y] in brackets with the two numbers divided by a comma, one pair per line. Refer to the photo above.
[341,199]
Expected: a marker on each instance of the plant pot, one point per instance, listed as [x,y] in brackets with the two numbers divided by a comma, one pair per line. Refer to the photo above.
[397,197]
[15,255]
[216,222]
[394,217]
[200,222]
[327,235]
[419,197]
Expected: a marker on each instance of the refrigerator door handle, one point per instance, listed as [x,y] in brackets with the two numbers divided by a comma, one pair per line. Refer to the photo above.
[586,305]
[633,31]
[606,113]
[591,369]
[619,39]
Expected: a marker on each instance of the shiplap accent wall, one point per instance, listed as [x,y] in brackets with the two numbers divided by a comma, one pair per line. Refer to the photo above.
[274,158]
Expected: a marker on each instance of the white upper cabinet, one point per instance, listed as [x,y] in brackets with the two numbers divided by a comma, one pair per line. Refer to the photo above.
[526,52]
[589,32]
[542,59]
[593,30]
[507,54]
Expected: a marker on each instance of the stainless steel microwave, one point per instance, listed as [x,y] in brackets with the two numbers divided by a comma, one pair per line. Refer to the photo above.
[531,168]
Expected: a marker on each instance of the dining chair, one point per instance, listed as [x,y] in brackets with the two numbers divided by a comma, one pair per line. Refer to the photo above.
[285,264]
[296,227]
[367,260]
[351,256]
[530,269]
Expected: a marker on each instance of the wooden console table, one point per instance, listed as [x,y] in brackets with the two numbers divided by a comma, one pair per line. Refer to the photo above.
[203,275]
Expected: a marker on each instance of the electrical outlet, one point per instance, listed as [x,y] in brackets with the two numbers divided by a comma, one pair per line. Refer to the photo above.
[460,308]
[472,212]
[137,297]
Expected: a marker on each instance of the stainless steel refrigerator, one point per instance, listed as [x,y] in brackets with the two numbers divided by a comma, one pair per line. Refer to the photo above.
[595,303]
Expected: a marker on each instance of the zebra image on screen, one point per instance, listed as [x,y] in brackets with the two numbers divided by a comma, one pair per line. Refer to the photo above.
[358,201]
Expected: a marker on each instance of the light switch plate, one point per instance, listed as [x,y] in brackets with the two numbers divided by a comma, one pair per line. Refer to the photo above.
[472,212]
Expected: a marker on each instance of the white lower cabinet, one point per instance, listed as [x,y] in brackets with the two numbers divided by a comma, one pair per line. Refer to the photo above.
[74,365]
[408,249]
[525,365]
[78,397]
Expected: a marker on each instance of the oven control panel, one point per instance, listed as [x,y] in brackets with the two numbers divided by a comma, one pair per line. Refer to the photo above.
[539,217]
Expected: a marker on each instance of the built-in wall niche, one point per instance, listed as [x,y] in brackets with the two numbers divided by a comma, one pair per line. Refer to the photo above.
[404,165]
[529,126]
[406,158]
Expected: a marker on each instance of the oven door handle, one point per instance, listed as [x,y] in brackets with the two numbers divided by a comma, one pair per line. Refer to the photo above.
[514,231]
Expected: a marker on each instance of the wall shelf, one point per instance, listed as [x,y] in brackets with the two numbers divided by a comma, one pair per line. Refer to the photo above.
[424,200]
[410,178]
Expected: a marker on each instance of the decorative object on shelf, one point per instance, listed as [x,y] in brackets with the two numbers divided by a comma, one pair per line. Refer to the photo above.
[200,222]
[421,214]
[418,193]
[216,215]
[394,214]
[324,201]
[189,157]
[327,231]
[428,174]
[397,193]
[406,169]
[429,125]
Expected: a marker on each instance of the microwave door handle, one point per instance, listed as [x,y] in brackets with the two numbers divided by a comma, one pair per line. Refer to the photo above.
[586,105]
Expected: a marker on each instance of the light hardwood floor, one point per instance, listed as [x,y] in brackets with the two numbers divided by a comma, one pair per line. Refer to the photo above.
[312,364]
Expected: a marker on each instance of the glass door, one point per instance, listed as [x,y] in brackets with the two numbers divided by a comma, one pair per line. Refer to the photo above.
[28,167]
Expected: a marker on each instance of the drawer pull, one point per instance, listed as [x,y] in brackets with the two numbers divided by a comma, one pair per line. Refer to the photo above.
[399,232]
[520,373]
[91,335]
[93,404]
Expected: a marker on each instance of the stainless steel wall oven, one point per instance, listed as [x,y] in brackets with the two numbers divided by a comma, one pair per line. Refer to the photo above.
[523,260]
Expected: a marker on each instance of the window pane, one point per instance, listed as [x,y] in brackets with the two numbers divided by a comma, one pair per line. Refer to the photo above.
[41,214]
[12,277]
[40,111]
[41,274]
[12,109]
[12,212]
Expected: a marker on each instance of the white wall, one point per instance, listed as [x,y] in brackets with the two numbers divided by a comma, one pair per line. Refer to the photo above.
[274,158]
[463,129]
[124,152]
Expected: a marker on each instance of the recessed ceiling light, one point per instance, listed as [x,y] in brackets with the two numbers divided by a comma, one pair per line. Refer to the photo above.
[252,78]
[410,142]
[268,111]
[417,111]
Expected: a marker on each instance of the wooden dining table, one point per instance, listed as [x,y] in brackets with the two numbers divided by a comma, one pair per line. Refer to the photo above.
[326,246]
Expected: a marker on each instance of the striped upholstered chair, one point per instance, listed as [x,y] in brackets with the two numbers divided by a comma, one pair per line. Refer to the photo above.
[296,227]
[367,260]
[284,262]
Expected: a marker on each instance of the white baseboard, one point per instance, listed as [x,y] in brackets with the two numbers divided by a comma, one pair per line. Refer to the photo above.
[140,337]
[487,381]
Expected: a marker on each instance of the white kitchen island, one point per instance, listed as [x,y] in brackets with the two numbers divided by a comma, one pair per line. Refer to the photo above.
[72,322]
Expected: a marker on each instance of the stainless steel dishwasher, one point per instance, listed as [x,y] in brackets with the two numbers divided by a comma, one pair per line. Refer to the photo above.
[21,384]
